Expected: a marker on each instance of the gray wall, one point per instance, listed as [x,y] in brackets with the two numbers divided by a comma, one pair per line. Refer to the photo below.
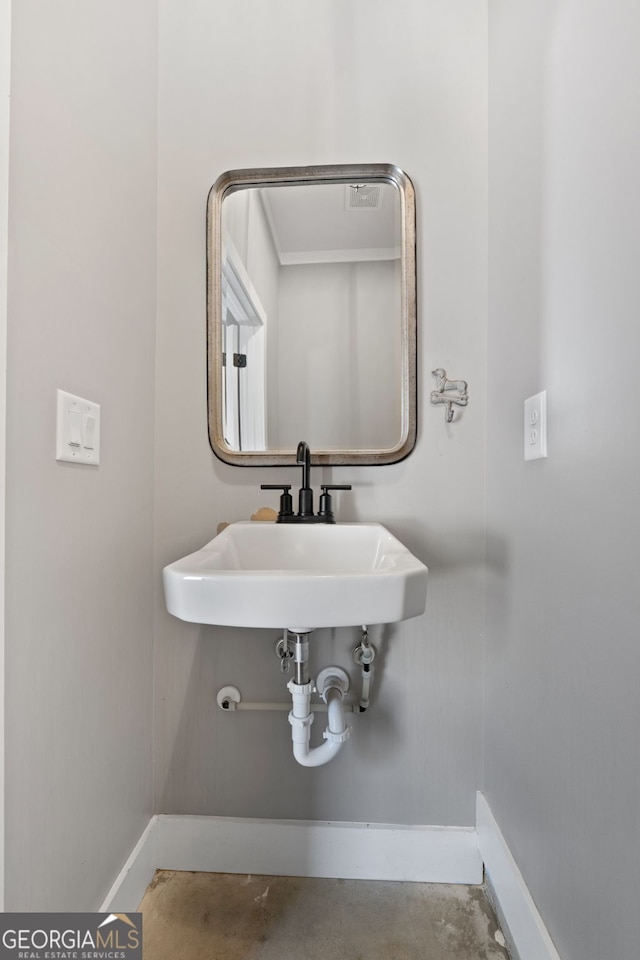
[5,82]
[562,752]
[254,84]
[79,539]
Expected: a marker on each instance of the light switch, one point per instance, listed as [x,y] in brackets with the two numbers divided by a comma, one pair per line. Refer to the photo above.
[89,432]
[77,429]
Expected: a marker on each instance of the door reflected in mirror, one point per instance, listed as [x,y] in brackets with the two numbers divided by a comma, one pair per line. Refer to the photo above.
[311,314]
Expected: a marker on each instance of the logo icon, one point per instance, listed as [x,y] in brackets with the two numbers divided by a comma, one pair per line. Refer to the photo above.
[71,936]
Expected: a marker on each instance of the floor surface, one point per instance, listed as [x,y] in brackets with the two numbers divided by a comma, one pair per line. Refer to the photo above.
[213,916]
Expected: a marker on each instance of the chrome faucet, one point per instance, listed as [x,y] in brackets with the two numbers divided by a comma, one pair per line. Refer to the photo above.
[305,512]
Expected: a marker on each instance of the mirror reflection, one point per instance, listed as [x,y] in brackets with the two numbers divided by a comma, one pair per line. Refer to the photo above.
[309,316]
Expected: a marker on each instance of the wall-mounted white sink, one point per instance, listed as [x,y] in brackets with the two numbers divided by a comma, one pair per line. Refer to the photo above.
[297,576]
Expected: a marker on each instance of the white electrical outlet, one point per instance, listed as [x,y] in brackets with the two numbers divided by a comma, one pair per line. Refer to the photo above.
[535,426]
[77,429]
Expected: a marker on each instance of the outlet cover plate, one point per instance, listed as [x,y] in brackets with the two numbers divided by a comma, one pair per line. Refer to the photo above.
[535,426]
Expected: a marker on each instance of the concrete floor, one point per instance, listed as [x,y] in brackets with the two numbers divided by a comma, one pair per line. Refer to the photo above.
[213,916]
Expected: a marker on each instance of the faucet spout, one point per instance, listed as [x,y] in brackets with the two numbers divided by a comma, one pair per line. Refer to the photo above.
[305,498]
[303,459]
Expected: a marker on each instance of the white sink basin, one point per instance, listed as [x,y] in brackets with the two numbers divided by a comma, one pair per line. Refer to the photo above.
[299,576]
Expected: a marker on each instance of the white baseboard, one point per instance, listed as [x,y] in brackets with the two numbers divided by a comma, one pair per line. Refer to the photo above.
[359,851]
[136,875]
[526,934]
[349,851]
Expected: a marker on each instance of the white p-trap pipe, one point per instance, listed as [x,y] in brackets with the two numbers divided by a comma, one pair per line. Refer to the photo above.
[301,718]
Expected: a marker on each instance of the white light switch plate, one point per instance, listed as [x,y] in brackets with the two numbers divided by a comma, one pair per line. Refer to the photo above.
[535,426]
[77,429]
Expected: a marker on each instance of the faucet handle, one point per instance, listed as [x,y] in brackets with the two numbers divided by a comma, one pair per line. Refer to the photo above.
[286,500]
[325,506]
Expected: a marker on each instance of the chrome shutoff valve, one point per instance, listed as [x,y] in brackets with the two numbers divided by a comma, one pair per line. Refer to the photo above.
[364,654]
[284,652]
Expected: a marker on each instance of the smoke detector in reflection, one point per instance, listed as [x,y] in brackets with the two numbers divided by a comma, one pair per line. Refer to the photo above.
[363,196]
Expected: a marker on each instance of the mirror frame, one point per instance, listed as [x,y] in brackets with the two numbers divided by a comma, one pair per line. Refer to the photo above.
[230,182]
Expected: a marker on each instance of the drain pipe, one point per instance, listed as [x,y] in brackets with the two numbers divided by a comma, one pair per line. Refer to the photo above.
[332,684]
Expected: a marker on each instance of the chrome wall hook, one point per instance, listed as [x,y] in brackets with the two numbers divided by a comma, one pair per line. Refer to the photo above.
[449,392]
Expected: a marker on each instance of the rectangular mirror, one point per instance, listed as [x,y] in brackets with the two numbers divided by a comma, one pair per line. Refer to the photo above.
[311,314]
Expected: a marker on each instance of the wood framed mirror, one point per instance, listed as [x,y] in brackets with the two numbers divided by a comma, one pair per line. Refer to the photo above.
[311,314]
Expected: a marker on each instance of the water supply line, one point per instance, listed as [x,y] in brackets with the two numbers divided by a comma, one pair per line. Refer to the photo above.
[364,655]
[230,700]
